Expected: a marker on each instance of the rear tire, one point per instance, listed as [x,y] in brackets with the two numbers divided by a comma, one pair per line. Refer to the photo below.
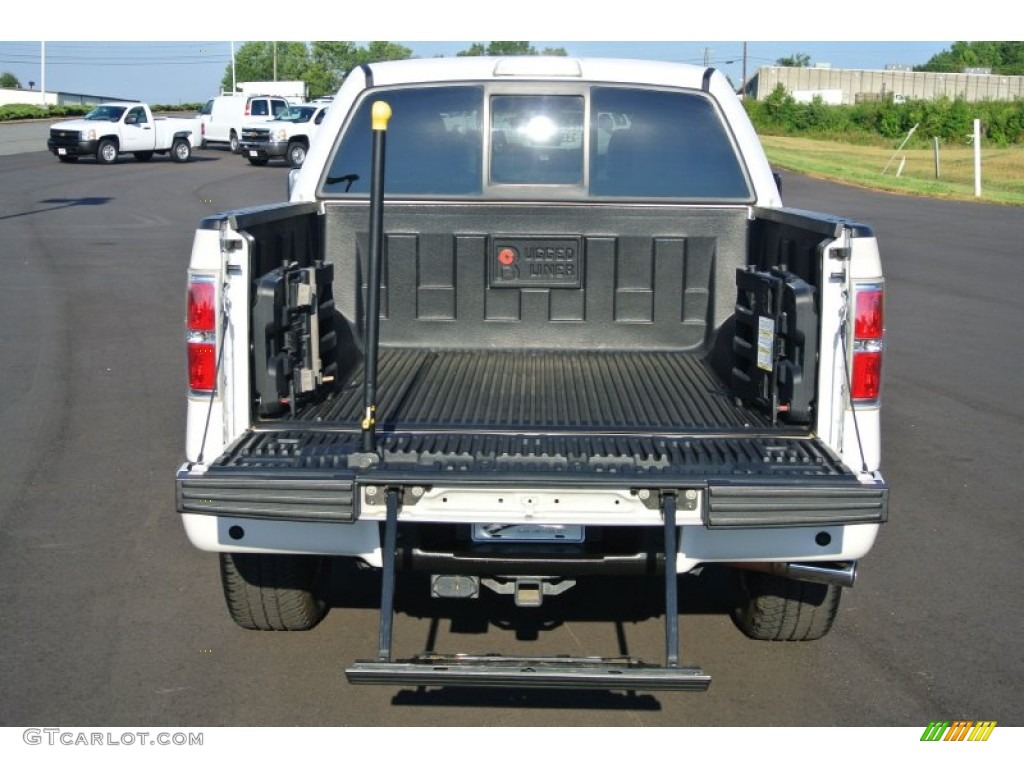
[776,608]
[143,157]
[273,592]
[107,152]
[181,151]
[233,142]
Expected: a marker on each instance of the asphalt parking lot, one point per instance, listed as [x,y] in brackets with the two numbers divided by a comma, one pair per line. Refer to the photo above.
[112,617]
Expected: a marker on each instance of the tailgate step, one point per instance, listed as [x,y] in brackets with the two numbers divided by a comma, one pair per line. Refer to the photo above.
[529,672]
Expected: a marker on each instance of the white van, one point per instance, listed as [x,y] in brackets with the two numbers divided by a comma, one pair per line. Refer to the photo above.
[220,120]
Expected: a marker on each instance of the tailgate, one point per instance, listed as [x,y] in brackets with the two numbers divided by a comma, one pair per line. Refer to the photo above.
[730,481]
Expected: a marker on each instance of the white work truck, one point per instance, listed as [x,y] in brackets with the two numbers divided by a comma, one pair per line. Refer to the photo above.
[112,129]
[525,321]
[287,136]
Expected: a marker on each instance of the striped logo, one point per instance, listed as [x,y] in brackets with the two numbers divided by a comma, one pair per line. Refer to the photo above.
[958,730]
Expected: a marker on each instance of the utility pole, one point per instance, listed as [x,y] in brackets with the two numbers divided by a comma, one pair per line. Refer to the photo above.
[42,59]
[275,61]
[707,57]
[743,82]
[234,87]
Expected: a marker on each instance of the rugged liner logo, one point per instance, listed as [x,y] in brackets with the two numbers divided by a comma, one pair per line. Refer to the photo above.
[958,730]
[535,262]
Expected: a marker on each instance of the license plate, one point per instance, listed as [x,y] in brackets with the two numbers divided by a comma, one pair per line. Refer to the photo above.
[253,153]
[515,532]
[61,151]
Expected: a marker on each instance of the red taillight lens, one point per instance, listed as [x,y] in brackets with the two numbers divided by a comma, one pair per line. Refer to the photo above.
[868,335]
[867,375]
[201,314]
[202,366]
[869,317]
[201,335]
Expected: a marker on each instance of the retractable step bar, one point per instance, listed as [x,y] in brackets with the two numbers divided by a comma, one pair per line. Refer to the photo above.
[464,670]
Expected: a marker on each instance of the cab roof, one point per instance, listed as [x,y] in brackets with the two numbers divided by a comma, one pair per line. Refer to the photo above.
[482,68]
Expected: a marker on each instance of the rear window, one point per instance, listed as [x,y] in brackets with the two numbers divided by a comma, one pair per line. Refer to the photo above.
[433,144]
[537,139]
[661,144]
[602,142]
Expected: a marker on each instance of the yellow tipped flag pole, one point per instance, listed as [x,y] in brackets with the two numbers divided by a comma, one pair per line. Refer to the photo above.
[380,115]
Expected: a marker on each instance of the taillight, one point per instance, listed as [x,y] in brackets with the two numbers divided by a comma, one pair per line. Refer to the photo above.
[248,108]
[868,342]
[201,334]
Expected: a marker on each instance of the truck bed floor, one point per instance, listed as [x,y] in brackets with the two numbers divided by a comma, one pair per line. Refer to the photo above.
[607,391]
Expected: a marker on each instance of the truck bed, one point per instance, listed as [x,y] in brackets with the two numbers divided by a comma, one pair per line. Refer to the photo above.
[540,390]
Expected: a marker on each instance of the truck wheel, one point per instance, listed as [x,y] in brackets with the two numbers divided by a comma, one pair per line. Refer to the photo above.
[273,592]
[181,151]
[233,142]
[143,157]
[258,160]
[106,152]
[296,154]
[776,608]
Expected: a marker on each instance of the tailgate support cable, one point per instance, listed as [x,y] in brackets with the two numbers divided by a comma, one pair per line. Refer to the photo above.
[225,318]
[845,343]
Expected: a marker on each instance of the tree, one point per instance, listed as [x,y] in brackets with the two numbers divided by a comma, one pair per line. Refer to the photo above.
[380,50]
[322,66]
[255,61]
[1004,58]
[7,80]
[509,48]
[794,60]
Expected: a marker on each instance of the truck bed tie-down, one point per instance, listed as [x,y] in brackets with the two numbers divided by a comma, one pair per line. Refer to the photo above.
[619,673]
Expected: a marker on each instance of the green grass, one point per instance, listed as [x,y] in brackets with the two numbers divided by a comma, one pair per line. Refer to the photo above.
[1002,170]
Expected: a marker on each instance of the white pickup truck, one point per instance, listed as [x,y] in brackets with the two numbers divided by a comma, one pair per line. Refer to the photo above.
[563,326]
[286,136]
[113,129]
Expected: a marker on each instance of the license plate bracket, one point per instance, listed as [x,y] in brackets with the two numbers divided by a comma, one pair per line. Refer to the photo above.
[503,533]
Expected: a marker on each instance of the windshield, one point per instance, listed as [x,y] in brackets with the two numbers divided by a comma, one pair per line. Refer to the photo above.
[106,112]
[297,114]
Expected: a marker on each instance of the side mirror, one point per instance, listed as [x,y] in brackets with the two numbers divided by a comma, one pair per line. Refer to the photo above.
[293,175]
[778,182]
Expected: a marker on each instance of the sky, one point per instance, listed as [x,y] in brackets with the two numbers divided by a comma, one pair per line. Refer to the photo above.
[174,67]
[168,72]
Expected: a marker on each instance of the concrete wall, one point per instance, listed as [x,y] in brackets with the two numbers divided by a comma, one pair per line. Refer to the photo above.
[872,84]
[21,96]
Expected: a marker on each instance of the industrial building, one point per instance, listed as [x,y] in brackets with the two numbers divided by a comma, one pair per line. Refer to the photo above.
[852,86]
